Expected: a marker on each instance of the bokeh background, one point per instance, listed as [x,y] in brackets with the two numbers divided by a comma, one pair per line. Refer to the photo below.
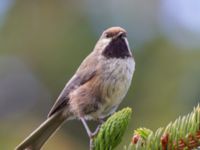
[42,42]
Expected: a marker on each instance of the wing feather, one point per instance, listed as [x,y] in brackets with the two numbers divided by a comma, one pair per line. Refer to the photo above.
[86,72]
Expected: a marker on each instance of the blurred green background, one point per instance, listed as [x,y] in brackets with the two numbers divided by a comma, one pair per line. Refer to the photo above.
[42,42]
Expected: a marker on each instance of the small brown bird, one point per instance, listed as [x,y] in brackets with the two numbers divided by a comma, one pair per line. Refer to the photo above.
[96,89]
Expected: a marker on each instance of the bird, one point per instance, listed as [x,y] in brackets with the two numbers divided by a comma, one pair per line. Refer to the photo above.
[95,90]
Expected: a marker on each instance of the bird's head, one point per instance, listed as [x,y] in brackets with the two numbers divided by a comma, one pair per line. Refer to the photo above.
[113,43]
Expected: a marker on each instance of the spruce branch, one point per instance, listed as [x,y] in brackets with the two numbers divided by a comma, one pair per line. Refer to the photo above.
[182,134]
[111,132]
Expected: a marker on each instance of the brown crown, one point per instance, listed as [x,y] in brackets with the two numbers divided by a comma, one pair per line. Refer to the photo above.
[113,31]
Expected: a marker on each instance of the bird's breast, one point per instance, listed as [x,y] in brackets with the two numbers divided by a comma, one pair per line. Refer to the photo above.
[116,80]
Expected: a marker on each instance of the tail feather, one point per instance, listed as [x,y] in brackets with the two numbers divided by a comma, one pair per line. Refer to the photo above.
[38,137]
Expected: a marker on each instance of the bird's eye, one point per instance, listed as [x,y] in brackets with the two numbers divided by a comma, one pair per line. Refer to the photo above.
[107,35]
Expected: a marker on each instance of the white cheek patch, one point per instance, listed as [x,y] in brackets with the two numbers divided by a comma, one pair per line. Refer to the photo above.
[105,42]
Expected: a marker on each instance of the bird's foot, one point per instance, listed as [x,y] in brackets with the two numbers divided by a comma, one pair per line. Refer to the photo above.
[91,144]
[93,134]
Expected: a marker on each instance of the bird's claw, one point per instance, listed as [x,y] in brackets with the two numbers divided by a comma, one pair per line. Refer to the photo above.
[93,134]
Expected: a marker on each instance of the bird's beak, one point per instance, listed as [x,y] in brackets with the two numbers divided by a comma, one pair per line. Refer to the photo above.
[120,34]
